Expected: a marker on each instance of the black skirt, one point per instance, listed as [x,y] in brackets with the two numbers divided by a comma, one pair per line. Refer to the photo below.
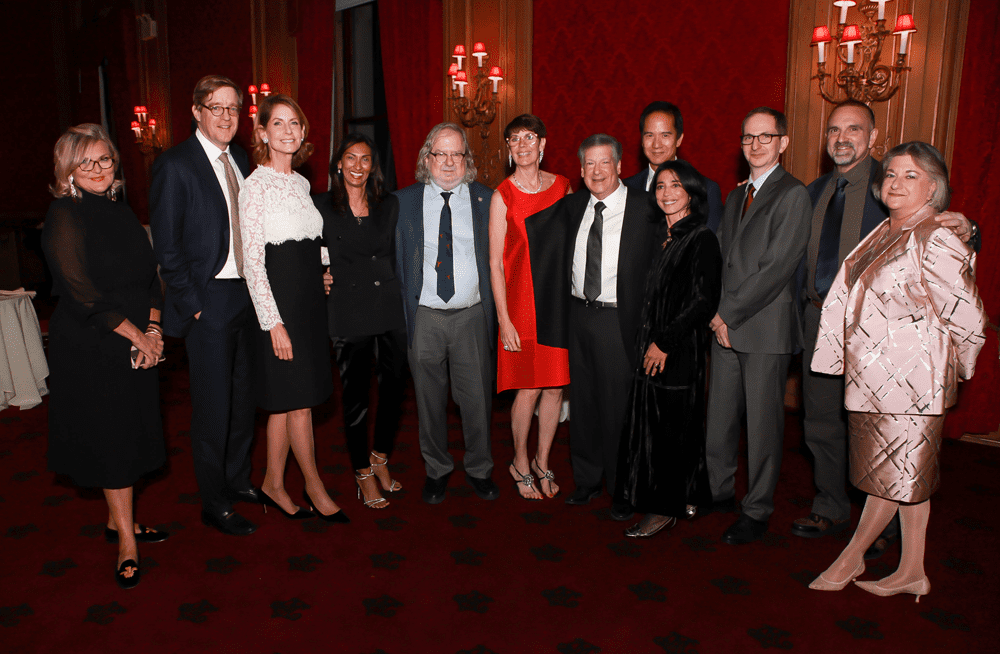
[296,278]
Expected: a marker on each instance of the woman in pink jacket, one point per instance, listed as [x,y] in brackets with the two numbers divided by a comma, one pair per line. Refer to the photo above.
[903,322]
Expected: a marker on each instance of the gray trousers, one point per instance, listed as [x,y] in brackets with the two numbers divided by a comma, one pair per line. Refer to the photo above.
[754,383]
[825,428]
[453,343]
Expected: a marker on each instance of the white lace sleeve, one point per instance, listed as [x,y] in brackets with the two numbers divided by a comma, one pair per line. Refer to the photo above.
[252,216]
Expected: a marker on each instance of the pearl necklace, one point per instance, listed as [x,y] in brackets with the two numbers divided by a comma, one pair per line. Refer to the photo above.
[518,184]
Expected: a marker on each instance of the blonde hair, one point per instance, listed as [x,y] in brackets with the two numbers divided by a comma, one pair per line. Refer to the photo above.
[69,154]
[423,170]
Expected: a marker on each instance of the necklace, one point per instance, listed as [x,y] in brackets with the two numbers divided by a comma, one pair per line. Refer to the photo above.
[518,184]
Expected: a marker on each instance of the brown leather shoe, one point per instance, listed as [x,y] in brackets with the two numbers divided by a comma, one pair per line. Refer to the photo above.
[817,526]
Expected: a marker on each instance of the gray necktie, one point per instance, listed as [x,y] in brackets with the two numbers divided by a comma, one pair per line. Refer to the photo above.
[592,276]
[234,211]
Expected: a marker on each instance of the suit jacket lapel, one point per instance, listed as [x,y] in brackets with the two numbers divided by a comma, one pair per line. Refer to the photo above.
[760,198]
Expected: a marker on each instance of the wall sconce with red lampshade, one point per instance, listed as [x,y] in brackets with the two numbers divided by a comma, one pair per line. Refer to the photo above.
[264,90]
[857,72]
[144,128]
[477,108]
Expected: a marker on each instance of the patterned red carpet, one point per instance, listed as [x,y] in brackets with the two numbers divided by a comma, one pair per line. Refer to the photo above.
[466,576]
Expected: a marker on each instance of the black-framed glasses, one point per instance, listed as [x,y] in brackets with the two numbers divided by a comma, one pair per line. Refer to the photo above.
[217,110]
[763,139]
[528,138]
[104,163]
[441,157]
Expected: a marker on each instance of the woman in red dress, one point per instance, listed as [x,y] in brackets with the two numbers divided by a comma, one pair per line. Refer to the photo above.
[539,372]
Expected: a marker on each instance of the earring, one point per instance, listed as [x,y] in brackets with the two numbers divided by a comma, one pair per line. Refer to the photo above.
[265,139]
[340,172]
[510,160]
[540,155]
[72,187]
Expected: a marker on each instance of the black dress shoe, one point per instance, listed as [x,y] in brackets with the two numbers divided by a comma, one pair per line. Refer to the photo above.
[817,526]
[125,583]
[145,535]
[583,494]
[744,530]
[251,495]
[228,522]
[434,489]
[621,511]
[484,487]
[880,545]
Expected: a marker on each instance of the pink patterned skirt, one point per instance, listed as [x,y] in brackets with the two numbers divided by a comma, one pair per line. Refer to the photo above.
[895,456]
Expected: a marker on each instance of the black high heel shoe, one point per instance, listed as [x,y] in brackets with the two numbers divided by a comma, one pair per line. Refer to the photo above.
[301,514]
[339,517]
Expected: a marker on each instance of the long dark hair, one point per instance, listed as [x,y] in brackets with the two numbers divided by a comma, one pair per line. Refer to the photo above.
[693,183]
[374,187]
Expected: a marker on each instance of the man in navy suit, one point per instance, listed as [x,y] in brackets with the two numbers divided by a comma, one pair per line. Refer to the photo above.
[194,218]
[442,259]
[662,128]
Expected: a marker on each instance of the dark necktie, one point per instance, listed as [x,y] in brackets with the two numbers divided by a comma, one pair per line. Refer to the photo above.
[592,275]
[749,200]
[829,240]
[446,261]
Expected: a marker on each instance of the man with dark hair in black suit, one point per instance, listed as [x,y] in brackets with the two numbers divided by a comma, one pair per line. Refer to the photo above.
[194,218]
[662,128]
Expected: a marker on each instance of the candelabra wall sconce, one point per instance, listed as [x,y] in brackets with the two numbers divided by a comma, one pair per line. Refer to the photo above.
[144,128]
[477,105]
[856,69]
[265,90]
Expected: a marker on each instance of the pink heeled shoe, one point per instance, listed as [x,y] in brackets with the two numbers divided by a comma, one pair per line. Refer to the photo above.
[918,588]
[822,583]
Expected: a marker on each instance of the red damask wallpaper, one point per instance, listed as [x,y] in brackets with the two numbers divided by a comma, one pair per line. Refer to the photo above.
[597,64]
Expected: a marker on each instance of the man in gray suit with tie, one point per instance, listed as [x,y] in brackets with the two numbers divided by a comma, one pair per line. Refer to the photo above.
[763,236]
[448,301]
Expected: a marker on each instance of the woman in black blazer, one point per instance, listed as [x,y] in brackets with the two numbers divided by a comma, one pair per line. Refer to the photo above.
[365,307]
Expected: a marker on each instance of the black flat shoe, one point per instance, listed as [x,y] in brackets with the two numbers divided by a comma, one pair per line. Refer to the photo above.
[126,583]
[230,523]
[650,525]
[434,489]
[337,518]
[484,487]
[744,530]
[582,495]
[145,535]
[300,513]
[621,512]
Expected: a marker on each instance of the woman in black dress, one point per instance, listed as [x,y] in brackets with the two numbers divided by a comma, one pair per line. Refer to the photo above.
[104,338]
[661,459]
[365,308]
[282,262]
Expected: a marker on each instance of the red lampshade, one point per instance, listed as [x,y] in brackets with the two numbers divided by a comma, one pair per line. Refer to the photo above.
[152,122]
[265,88]
[143,109]
[478,46]
[904,23]
[137,109]
[821,34]
[460,76]
[252,89]
[852,33]
[253,109]
[135,123]
[496,72]
[459,50]
[453,69]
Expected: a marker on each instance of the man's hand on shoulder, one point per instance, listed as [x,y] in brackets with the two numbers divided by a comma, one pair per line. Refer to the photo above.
[957,222]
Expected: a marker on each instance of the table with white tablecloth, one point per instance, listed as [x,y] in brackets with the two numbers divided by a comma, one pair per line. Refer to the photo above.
[23,367]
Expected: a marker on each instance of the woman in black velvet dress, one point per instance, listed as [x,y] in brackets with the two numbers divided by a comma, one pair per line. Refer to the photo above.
[365,308]
[661,458]
[104,338]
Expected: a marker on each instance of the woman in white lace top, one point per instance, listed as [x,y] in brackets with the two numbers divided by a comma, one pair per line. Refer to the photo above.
[281,232]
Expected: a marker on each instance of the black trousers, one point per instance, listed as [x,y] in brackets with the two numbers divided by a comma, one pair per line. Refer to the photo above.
[220,348]
[354,360]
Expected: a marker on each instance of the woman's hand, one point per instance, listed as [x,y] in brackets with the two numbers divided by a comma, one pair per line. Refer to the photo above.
[281,343]
[150,347]
[654,360]
[509,338]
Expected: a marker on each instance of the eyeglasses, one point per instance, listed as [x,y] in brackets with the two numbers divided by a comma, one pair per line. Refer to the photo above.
[441,157]
[103,163]
[528,138]
[218,109]
[763,139]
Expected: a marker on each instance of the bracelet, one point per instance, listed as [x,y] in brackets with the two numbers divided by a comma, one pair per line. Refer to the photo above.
[154,322]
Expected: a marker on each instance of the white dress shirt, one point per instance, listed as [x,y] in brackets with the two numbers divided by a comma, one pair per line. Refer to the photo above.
[757,183]
[229,270]
[611,237]
[463,246]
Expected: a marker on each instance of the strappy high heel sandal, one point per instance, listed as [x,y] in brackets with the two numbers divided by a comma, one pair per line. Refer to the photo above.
[544,475]
[374,503]
[528,481]
[393,485]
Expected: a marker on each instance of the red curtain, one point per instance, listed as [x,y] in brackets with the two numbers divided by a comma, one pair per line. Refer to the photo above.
[314,39]
[975,178]
[412,43]
[597,64]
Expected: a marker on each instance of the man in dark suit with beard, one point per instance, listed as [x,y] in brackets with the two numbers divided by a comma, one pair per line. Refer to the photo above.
[194,218]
